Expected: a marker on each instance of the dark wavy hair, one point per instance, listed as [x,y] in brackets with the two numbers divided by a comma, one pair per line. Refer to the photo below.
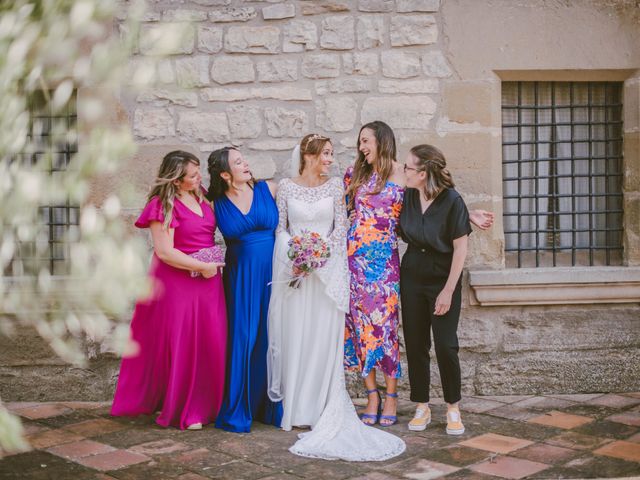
[217,163]
[385,157]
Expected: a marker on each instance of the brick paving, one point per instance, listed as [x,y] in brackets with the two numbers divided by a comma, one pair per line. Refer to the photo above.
[509,437]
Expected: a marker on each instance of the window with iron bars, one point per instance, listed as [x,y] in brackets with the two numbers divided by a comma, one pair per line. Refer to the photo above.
[562,173]
[53,154]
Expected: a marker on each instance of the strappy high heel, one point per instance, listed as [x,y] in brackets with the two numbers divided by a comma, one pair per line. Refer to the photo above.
[372,418]
[392,419]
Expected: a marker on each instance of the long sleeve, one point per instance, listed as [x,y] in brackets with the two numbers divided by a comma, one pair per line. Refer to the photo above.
[338,236]
[281,202]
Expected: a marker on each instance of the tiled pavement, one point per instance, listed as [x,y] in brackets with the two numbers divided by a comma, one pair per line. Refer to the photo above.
[513,437]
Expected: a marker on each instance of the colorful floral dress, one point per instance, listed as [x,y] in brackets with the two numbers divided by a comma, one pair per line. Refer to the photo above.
[371,335]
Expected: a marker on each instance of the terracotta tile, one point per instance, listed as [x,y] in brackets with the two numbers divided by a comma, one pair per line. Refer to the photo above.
[561,420]
[43,410]
[621,449]
[160,447]
[50,438]
[478,405]
[83,405]
[512,413]
[92,428]
[418,468]
[632,394]
[508,467]
[506,398]
[613,400]
[14,406]
[367,476]
[577,397]
[543,402]
[33,428]
[192,476]
[112,460]
[577,441]
[82,448]
[543,453]
[634,438]
[496,443]
[628,418]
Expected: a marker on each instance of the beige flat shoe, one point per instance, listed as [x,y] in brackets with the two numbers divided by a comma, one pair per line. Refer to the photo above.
[420,420]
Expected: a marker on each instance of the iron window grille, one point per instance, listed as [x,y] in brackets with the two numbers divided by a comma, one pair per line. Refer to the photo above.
[52,153]
[562,173]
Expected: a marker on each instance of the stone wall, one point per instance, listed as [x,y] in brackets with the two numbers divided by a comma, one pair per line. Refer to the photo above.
[261,74]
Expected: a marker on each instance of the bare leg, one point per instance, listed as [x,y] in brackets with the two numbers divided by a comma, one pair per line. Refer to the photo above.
[390,403]
[373,400]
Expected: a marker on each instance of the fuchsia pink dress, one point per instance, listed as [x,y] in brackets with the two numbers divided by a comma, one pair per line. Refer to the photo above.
[181,331]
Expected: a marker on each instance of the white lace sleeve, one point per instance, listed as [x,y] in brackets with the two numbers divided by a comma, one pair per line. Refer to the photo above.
[281,202]
[338,236]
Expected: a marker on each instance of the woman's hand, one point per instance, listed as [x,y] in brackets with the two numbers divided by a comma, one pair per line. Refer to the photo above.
[443,302]
[211,269]
[481,218]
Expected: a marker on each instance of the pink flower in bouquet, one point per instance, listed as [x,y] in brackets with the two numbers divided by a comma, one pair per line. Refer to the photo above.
[309,252]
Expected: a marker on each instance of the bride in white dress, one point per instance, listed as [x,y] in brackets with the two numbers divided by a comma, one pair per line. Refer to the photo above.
[306,324]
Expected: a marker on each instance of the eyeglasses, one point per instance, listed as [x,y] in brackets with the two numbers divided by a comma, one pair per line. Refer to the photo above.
[406,167]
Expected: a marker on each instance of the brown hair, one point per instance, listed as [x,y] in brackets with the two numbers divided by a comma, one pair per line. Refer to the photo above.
[217,163]
[385,157]
[173,168]
[431,160]
[311,144]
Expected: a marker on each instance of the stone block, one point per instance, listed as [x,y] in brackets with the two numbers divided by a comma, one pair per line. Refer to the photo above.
[278,70]
[434,64]
[318,7]
[279,11]
[252,40]
[472,102]
[321,65]
[233,14]
[209,39]
[25,347]
[408,86]
[244,121]
[336,113]
[337,33]
[366,63]
[631,95]
[192,71]
[233,69]
[347,85]
[479,333]
[383,6]
[397,64]
[413,112]
[631,180]
[180,15]
[300,35]
[262,166]
[413,30]
[167,39]
[631,235]
[266,93]
[286,123]
[212,3]
[572,329]
[151,124]
[203,127]
[408,6]
[162,97]
[371,31]
[277,145]
[560,371]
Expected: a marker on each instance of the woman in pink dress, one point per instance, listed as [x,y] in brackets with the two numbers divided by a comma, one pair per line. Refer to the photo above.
[181,329]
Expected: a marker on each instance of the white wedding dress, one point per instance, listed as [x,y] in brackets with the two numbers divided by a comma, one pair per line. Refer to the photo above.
[306,334]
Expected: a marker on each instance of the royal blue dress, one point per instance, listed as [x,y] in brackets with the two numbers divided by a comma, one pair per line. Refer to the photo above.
[250,239]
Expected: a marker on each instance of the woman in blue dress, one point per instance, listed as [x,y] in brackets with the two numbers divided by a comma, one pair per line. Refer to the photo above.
[247,217]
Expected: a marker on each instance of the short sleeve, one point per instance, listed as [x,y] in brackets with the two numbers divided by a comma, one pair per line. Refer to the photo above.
[347,177]
[459,219]
[153,212]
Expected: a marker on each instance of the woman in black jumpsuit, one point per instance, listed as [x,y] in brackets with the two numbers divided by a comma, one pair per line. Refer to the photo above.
[435,223]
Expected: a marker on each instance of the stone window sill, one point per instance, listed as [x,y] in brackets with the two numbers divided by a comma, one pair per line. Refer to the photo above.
[555,286]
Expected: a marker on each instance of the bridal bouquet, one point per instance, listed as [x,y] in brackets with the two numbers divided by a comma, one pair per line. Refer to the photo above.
[309,252]
[208,255]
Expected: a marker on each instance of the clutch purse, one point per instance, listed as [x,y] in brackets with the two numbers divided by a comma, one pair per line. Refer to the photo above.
[208,255]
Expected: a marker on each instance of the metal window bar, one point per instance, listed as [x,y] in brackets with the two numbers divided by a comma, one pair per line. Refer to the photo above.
[59,218]
[582,216]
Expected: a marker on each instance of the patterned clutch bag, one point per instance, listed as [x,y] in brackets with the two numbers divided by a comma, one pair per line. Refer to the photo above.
[208,255]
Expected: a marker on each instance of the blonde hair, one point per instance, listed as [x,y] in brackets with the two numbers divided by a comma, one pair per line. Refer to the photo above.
[385,156]
[431,160]
[311,144]
[173,168]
